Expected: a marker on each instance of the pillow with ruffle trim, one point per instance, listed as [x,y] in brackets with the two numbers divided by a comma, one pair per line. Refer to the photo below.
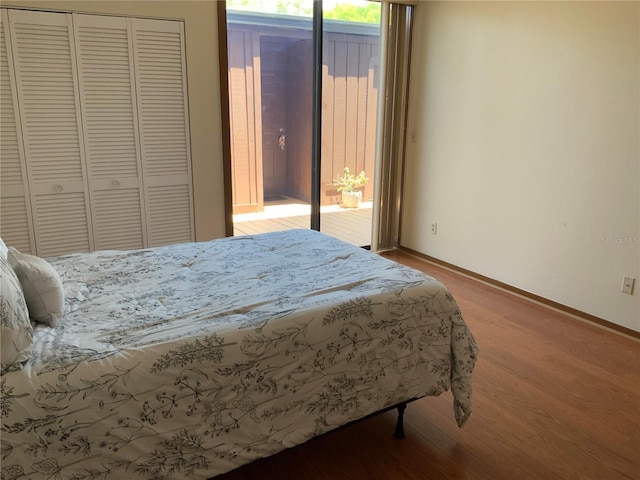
[16,333]
[41,285]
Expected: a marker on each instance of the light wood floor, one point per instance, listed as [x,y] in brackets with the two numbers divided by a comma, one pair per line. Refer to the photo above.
[554,398]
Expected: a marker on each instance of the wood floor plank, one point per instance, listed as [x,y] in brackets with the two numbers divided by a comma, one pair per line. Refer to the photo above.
[554,398]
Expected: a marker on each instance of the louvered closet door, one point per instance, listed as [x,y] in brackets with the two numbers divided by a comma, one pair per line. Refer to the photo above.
[105,69]
[164,129]
[50,118]
[15,214]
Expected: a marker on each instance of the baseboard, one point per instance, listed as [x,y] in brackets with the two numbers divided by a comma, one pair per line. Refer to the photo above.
[536,298]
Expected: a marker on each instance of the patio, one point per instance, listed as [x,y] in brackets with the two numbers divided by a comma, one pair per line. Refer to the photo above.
[352,225]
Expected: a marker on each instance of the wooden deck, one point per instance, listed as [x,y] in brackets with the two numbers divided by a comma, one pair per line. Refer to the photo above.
[352,225]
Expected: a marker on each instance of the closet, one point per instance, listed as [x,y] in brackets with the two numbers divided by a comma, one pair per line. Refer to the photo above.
[94,133]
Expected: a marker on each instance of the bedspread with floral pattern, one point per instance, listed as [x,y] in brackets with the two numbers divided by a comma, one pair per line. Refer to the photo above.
[190,360]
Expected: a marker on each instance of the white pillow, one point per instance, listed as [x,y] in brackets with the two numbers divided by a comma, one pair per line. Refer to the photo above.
[42,287]
[3,249]
[16,333]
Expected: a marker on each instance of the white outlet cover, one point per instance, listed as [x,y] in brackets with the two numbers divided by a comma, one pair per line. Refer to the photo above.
[627,285]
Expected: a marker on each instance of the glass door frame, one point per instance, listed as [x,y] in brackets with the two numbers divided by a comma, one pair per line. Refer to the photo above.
[316,125]
[396,17]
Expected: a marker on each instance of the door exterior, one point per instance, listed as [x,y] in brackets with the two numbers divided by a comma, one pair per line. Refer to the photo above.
[273,60]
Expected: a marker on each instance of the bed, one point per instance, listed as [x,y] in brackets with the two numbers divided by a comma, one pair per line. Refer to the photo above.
[187,361]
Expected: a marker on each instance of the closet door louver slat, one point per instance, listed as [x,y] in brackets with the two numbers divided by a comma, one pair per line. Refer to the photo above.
[105,69]
[11,173]
[164,127]
[167,207]
[117,213]
[15,228]
[15,216]
[49,111]
[55,210]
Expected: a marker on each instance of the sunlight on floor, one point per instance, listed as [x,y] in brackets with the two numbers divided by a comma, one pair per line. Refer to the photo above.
[291,208]
[352,225]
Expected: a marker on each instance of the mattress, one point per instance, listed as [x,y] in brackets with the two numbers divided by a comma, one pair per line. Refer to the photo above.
[193,359]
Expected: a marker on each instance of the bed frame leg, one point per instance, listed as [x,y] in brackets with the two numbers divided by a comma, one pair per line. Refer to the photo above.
[399,433]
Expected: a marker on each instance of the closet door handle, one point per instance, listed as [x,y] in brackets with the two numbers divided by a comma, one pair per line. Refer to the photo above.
[58,188]
[115,184]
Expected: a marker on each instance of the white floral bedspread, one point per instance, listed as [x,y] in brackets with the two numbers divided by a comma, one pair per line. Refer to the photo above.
[190,360]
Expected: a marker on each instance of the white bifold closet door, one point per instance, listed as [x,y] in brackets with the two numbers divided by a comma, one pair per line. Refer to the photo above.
[110,131]
[164,129]
[16,226]
[49,119]
[103,113]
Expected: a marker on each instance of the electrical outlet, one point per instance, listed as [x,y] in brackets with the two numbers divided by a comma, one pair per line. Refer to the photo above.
[434,228]
[627,285]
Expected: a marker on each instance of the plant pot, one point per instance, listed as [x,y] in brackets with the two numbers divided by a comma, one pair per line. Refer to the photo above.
[351,199]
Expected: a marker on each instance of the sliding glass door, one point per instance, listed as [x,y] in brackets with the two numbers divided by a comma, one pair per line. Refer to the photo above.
[304,95]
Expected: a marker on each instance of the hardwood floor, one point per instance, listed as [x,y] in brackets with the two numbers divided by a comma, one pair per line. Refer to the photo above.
[554,398]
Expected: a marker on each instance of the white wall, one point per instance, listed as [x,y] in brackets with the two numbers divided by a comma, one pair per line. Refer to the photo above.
[203,78]
[527,146]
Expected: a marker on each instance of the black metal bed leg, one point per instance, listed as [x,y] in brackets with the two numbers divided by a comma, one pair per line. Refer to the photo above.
[399,433]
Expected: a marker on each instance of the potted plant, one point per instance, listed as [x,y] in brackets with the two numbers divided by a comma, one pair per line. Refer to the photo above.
[349,184]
